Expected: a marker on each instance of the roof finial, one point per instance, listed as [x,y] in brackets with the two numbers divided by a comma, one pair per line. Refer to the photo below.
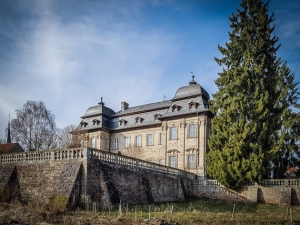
[193,82]
[101,101]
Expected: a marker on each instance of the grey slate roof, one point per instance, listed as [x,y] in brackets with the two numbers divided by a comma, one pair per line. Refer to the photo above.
[141,108]
[99,109]
[112,120]
[191,90]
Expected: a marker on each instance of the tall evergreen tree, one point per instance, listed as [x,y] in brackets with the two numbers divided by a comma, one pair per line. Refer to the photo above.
[255,87]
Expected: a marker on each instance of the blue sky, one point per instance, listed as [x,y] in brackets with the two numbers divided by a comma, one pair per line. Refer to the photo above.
[70,53]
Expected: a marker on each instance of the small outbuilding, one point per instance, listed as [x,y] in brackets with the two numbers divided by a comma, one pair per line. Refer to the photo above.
[10,148]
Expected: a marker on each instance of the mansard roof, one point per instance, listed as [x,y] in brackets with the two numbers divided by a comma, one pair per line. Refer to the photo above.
[193,89]
[97,110]
[144,108]
[180,105]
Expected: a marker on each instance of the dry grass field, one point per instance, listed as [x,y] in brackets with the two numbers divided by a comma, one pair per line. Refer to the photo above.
[193,211]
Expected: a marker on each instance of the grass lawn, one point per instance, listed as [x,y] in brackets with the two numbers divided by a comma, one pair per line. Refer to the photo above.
[211,211]
[190,212]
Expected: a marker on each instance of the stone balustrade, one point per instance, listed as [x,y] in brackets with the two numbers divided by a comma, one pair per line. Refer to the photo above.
[280,182]
[205,183]
[264,183]
[49,155]
[137,163]
[84,153]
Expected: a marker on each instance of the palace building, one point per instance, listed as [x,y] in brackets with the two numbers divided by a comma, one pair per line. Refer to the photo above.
[172,132]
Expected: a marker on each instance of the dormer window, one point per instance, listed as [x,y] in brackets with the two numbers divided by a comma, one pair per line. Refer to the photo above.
[193,105]
[122,122]
[83,124]
[156,116]
[96,122]
[175,108]
[138,119]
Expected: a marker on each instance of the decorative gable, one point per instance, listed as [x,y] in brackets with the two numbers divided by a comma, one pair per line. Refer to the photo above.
[96,122]
[122,122]
[156,116]
[138,119]
[193,105]
[83,124]
[175,108]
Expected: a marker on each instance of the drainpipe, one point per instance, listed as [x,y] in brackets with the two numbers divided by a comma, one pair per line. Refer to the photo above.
[166,147]
[109,141]
[184,144]
[205,145]
[198,138]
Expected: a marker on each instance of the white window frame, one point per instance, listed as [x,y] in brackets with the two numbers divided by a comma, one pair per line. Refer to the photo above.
[192,130]
[116,143]
[138,141]
[191,161]
[106,144]
[160,139]
[93,141]
[126,142]
[150,139]
[173,161]
[173,133]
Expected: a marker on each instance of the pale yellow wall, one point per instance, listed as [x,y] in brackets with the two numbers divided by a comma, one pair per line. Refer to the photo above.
[158,153]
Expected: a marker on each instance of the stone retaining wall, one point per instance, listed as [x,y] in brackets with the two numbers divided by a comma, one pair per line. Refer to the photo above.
[217,192]
[128,185]
[86,176]
[43,181]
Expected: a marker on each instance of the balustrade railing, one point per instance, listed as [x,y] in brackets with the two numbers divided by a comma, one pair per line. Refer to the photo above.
[280,182]
[265,183]
[205,183]
[136,163]
[81,153]
[61,154]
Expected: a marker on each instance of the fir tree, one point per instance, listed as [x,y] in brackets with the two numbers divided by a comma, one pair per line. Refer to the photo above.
[255,87]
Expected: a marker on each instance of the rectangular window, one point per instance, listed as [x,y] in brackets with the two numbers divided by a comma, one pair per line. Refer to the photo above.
[138,141]
[106,143]
[192,130]
[173,134]
[93,143]
[172,161]
[150,139]
[127,142]
[191,161]
[160,139]
[116,143]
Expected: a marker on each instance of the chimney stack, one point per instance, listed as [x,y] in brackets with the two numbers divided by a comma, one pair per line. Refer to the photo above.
[124,106]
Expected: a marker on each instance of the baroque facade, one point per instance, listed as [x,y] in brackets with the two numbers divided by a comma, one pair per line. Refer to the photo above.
[172,132]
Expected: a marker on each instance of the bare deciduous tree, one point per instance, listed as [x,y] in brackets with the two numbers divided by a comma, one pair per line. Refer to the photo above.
[65,136]
[133,151]
[2,141]
[70,137]
[34,128]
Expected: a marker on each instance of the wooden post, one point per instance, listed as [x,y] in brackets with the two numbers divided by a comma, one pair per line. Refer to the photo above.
[233,212]
[171,214]
[120,209]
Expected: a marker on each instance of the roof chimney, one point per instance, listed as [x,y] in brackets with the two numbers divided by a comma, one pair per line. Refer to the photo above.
[124,106]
